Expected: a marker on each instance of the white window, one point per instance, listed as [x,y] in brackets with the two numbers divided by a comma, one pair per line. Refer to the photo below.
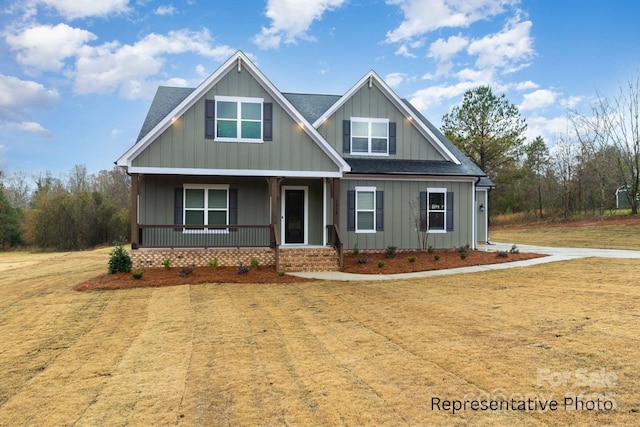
[238,119]
[369,136]
[365,209]
[206,205]
[436,210]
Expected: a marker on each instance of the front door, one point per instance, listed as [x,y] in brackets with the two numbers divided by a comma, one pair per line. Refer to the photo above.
[294,216]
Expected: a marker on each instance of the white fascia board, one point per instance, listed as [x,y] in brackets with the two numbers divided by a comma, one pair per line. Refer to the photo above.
[234,172]
[398,103]
[126,159]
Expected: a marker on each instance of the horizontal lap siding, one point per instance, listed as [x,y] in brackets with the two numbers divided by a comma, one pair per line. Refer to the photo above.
[183,145]
[399,227]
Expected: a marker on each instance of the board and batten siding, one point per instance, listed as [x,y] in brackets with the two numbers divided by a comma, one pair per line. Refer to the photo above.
[401,205]
[372,103]
[183,145]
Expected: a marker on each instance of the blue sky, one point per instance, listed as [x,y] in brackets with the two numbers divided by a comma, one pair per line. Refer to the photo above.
[77,77]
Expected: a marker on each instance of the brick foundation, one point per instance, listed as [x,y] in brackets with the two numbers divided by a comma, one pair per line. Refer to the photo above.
[200,257]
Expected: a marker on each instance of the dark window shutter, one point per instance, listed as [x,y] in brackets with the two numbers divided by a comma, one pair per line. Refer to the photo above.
[346,136]
[209,118]
[423,211]
[380,210]
[392,137]
[177,207]
[351,210]
[267,121]
[449,217]
[233,207]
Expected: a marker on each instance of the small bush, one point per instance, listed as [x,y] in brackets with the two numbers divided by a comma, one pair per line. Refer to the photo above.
[502,254]
[363,260]
[137,274]
[255,262]
[411,259]
[243,269]
[380,264]
[166,262]
[356,250]
[431,249]
[436,257]
[463,255]
[280,273]
[390,252]
[119,260]
[185,271]
[213,263]
[514,249]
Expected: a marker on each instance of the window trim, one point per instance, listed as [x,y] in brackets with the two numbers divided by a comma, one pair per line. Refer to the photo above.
[443,191]
[206,188]
[369,121]
[239,100]
[373,210]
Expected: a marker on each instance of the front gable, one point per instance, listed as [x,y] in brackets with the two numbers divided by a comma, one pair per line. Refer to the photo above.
[371,102]
[195,138]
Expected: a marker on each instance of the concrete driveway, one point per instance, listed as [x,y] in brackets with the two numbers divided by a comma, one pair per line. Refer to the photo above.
[555,254]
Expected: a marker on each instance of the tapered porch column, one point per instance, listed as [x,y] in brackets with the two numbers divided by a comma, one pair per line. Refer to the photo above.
[133,213]
[335,194]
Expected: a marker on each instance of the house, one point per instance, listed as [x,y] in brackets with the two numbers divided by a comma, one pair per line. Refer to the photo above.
[235,169]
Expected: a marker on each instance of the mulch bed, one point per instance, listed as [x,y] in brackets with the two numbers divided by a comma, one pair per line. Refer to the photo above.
[157,277]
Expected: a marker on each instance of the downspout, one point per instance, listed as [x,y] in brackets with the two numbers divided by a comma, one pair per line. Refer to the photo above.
[474,220]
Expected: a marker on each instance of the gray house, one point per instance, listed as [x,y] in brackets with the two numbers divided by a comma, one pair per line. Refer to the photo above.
[236,169]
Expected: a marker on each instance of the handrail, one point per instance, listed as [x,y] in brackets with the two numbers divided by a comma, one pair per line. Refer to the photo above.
[337,242]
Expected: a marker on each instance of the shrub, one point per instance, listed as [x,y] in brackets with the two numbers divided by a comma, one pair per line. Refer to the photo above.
[502,254]
[280,273]
[380,264]
[363,260]
[514,249]
[431,249]
[213,263]
[463,254]
[390,252]
[166,262]
[356,250]
[243,269]
[119,260]
[436,257]
[255,262]
[137,274]
[412,259]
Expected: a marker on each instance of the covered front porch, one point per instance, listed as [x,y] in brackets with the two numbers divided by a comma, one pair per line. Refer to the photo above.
[228,217]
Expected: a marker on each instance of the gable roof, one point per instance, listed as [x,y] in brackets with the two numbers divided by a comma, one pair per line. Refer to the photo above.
[311,106]
[165,100]
[409,113]
[168,98]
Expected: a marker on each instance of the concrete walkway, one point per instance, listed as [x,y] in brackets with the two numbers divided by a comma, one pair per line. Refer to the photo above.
[555,254]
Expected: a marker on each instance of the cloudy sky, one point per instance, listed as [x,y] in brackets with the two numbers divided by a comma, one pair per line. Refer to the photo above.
[77,77]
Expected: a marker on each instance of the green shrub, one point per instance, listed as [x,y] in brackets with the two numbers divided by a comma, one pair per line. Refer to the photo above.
[463,254]
[213,263]
[411,259]
[436,257]
[137,274]
[380,264]
[243,269]
[119,260]
[390,252]
[166,262]
[363,260]
[280,273]
[431,249]
[356,250]
[255,262]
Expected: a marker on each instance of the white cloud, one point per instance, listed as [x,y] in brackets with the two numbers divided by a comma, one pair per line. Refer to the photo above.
[291,20]
[505,49]
[548,128]
[201,71]
[435,95]
[526,85]
[540,98]
[165,10]
[403,50]
[395,79]
[423,16]
[571,102]
[111,66]
[46,47]
[17,98]
[30,127]
[443,50]
[72,9]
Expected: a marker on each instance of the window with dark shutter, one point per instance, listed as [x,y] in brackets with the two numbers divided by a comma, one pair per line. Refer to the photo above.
[209,119]
[346,136]
[379,210]
[449,220]
[392,137]
[267,121]
[351,210]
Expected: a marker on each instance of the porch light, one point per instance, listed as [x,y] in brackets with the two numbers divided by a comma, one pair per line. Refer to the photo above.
[481,208]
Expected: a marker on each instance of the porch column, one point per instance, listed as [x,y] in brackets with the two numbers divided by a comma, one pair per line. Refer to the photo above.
[335,193]
[273,193]
[133,213]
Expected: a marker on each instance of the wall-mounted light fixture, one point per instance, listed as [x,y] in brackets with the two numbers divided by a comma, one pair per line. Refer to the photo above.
[481,208]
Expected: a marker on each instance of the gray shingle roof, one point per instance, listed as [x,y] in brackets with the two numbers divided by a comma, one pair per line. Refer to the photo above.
[311,106]
[165,100]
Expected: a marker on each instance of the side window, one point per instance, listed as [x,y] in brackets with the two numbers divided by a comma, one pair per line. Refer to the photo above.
[206,205]
[365,209]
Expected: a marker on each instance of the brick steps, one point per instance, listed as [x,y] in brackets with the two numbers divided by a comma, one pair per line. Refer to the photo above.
[309,259]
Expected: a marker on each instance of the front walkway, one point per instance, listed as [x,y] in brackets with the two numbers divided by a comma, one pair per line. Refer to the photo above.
[555,254]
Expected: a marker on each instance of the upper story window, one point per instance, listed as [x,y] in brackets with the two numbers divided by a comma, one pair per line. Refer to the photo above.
[369,136]
[232,119]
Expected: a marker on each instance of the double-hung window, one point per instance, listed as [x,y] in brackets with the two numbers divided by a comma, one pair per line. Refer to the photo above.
[369,136]
[238,119]
[436,209]
[365,210]
[206,205]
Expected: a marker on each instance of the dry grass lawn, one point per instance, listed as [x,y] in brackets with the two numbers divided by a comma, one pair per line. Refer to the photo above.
[317,353]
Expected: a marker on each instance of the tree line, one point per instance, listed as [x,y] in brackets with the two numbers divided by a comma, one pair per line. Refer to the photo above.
[76,212]
[579,172]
